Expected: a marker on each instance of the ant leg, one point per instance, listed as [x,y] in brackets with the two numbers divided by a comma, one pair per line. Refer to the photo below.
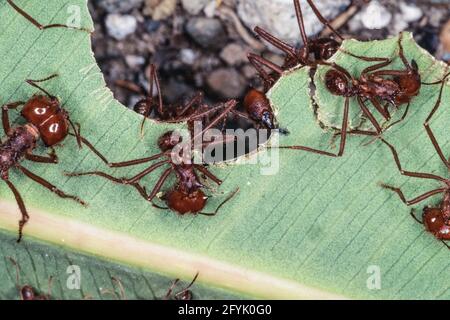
[430,131]
[77,132]
[5,115]
[16,265]
[23,210]
[185,290]
[172,286]
[34,83]
[414,216]
[343,134]
[369,59]
[415,200]
[206,172]
[51,158]
[301,25]
[283,46]
[154,75]
[125,181]
[196,100]
[259,63]
[220,205]
[369,115]
[40,26]
[50,186]
[320,17]
[446,244]
[409,173]
[401,54]
[159,184]
[380,109]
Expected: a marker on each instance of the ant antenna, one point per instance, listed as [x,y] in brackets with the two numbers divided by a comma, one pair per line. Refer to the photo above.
[17,271]
[188,287]
[34,84]
[230,196]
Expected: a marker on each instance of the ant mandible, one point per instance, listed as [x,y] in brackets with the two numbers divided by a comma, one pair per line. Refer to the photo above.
[186,196]
[313,51]
[371,85]
[39,25]
[46,120]
[27,292]
[435,219]
[185,294]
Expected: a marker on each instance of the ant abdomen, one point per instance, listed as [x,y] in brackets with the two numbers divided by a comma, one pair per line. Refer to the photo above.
[27,293]
[45,113]
[184,203]
[258,107]
[435,223]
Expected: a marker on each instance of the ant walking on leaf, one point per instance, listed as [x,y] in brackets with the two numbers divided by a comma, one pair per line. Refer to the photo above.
[27,292]
[187,195]
[435,219]
[374,87]
[46,121]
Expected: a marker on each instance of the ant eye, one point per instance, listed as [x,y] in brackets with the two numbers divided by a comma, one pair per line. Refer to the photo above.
[40,111]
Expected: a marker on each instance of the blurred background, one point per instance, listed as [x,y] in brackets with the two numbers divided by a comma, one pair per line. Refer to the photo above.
[202,44]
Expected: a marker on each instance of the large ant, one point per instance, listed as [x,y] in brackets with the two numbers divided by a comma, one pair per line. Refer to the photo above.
[46,120]
[27,292]
[39,25]
[313,51]
[435,220]
[186,196]
[184,294]
[371,85]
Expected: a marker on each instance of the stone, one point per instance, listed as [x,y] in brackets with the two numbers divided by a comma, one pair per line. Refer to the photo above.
[234,54]
[226,83]
[194,7]
[207,32]
[278,16]
[160,9]
[119,6]
[120,26]
[375,15]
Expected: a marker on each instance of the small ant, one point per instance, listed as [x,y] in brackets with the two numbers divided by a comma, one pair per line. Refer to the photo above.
[46,120]
[39,25]
[435,220]
[312,53]
[119,284]
[187,196]
[372,86]
[185,294]
[256,105]
[27,292]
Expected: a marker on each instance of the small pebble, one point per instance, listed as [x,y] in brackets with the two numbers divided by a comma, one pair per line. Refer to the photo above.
[410,12]
[134,61]
[445,40]
[194,7]
[188,56]
[160,9]
[234,54]
[119,6]
[120,26]
[226,83]
[375,16]
[207,32]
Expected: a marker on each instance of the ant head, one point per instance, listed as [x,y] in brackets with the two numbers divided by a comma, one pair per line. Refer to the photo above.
[169,140]
[336,82]
[258,107]
[143,107]
[183,202]
[327,47]
[27,293]
[46,114]
[436,223]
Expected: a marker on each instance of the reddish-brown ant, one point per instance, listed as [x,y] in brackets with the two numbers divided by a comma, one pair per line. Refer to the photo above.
[371,85]
[46,120]
[435,220]
[185,294]
[27,292]
[187,196]
[313,51]
[39,25]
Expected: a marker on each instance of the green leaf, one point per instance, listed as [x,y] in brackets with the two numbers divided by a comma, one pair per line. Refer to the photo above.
[311,230]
